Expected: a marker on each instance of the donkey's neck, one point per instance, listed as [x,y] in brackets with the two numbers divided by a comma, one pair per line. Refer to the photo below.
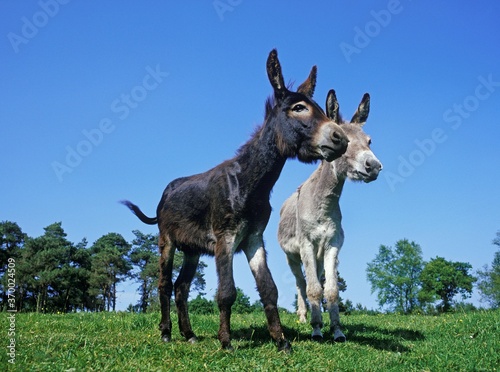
[261,162]
[330,181]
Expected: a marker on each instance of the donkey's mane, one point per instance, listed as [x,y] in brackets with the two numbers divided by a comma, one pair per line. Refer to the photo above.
[271,101]
[269,106]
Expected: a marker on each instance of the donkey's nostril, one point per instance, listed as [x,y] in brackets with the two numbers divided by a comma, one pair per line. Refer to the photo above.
[339,139]
[337,143]
[372,165]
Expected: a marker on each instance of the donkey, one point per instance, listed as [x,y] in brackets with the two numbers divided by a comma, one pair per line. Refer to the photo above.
[310,230]
[226,209]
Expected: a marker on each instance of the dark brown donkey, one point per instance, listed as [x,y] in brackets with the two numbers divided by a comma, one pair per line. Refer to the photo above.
[226,209]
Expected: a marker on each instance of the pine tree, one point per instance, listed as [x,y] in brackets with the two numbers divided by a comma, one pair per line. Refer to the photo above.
[11,243]
[109,266]
[144,255]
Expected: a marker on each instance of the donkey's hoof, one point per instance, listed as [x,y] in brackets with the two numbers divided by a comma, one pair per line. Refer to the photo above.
[338,336]
[193,340]
[285,346]
[317,338]
[228,348]
[317,335]
[340,339]
[165,338]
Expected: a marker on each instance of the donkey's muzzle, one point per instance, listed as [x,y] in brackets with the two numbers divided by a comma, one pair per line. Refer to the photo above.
[372,168]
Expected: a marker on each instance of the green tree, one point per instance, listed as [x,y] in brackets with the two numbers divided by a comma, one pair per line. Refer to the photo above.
[242,304]
[489,278]
[144,255]
[74,277]
[43,264]
[109,266]
[11,243]
[200,305]
[199,282]
[341,283]
[443,280]
[257,306]
[394,275]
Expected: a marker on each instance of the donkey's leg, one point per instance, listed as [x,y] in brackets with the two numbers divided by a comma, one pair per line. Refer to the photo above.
[226,290]
[296,267]
[256,256]
[314,289]
[167,251]
[332,293]
[181,286]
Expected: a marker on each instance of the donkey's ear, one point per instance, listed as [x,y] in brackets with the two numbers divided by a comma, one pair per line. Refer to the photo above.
[361,114]
[308,86]
[274,74]
[332,106]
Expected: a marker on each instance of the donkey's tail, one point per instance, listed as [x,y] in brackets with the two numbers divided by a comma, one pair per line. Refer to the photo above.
[135,209]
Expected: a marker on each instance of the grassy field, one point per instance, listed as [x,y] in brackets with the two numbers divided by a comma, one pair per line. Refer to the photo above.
[131,342]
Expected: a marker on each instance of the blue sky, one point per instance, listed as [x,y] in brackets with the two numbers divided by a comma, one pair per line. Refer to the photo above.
[113,101]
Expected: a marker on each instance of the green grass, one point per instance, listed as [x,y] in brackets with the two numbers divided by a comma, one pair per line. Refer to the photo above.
[131,342]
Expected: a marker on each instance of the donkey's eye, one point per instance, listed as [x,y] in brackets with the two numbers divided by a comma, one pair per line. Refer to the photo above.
[299,107]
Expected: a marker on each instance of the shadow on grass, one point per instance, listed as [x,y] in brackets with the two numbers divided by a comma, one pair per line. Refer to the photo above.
[375,337]
[381,338]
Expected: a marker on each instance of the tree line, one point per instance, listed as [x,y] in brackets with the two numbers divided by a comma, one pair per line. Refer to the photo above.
[405,283]
[51,274]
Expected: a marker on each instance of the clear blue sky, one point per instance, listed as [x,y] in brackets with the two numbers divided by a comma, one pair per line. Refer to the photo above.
[110,101]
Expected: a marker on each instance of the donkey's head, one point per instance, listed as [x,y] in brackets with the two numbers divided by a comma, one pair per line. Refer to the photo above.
[302,128]
[358,163]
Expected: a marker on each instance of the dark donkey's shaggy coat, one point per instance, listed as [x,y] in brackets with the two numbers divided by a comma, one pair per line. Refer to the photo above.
[226,209]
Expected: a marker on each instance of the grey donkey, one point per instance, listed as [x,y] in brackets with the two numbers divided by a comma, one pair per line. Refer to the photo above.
[310,230]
